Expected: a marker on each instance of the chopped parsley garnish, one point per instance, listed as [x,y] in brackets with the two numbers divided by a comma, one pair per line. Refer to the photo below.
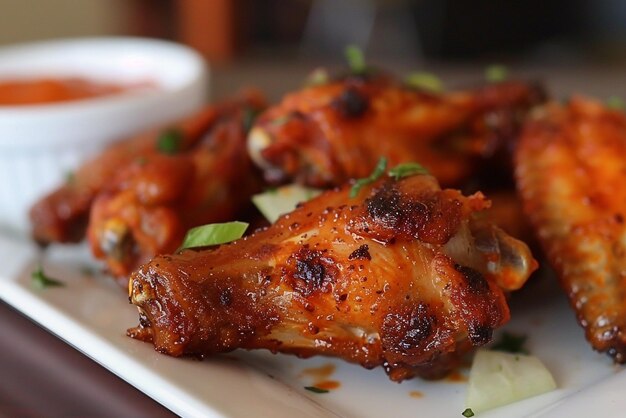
[496,73]
[356,60]
[315,389]
[407,169]
[468,412]
[615,103]
[425,81]
[511,343]
[70,177]
[170,141]
[40,280]
[376,174]
[249,116]
[281,120]
[87,271]
[318,77]
[214,234]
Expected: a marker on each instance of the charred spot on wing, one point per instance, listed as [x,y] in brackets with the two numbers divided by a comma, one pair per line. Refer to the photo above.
[479,334]
[313,271]
[432,217]
[351,103]
[474,279]
[407,329]
[384,207]
[361,253]
[226,297]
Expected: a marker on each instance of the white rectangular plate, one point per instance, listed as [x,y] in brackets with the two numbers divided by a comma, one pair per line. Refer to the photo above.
[91,313]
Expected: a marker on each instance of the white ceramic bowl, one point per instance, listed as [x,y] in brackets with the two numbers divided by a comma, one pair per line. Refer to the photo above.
[41,144]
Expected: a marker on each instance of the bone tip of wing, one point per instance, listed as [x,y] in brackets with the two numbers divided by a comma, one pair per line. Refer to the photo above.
[258,140]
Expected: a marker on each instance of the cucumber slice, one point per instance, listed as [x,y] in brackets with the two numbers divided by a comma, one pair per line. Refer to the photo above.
[498,378]
[274,203]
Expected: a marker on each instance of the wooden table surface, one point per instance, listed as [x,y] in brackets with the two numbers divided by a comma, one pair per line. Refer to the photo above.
[42,376]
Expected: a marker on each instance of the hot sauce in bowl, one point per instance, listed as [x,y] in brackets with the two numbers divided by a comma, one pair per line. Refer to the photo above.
[16,92]
[124,86]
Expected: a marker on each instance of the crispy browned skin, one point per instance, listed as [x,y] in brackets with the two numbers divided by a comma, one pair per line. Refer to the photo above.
[327,134]
[153,201]
[62,215]
[571,167]
[401,276]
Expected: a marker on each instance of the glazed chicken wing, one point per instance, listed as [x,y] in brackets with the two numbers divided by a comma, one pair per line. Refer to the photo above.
[62,215]
[401,276]
[571,168]
[327,134]
[155,199]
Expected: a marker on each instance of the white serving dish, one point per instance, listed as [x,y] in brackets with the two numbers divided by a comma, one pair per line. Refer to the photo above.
[41,144]
[92,313]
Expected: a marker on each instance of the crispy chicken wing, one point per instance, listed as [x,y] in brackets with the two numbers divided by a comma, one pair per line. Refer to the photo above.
[327,134]
[154,200]
[401,276]
[62,215]
[571,168]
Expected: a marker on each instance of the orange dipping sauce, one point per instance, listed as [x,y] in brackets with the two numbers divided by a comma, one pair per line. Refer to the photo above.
[54,90]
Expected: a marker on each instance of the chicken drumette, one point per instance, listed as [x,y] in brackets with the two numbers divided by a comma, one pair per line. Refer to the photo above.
[402,276]
[142,195]
[327,134]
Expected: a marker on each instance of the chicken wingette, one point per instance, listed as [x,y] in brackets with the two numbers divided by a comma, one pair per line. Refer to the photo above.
[152,201]
[400,274]
[62,215]
[327,134]
[570,169]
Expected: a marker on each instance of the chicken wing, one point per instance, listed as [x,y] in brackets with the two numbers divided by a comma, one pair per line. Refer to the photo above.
[570,169]
[152,202]
[327,134]
[401,276]
[62,215]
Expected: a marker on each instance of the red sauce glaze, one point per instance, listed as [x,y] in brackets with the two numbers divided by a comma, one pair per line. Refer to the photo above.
[17,92]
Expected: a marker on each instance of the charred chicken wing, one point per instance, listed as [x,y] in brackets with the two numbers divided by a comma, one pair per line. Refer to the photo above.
[403,275]
[62,215]
[571,166]
[327,134]
[153,201]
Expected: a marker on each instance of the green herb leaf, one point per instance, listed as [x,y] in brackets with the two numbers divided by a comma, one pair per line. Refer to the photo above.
[70,177]
[496,73]
[281,120]
[511,343]
[356,60]
[214,234]
[425,81]
[249,116]
[87,271]
[317,77]
[468,412]
[40,280]
[615,103]
[407,169]
[360,183]
[170,141]
[315,389]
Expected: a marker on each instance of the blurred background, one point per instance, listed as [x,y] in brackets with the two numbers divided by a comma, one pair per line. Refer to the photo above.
[255,37]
